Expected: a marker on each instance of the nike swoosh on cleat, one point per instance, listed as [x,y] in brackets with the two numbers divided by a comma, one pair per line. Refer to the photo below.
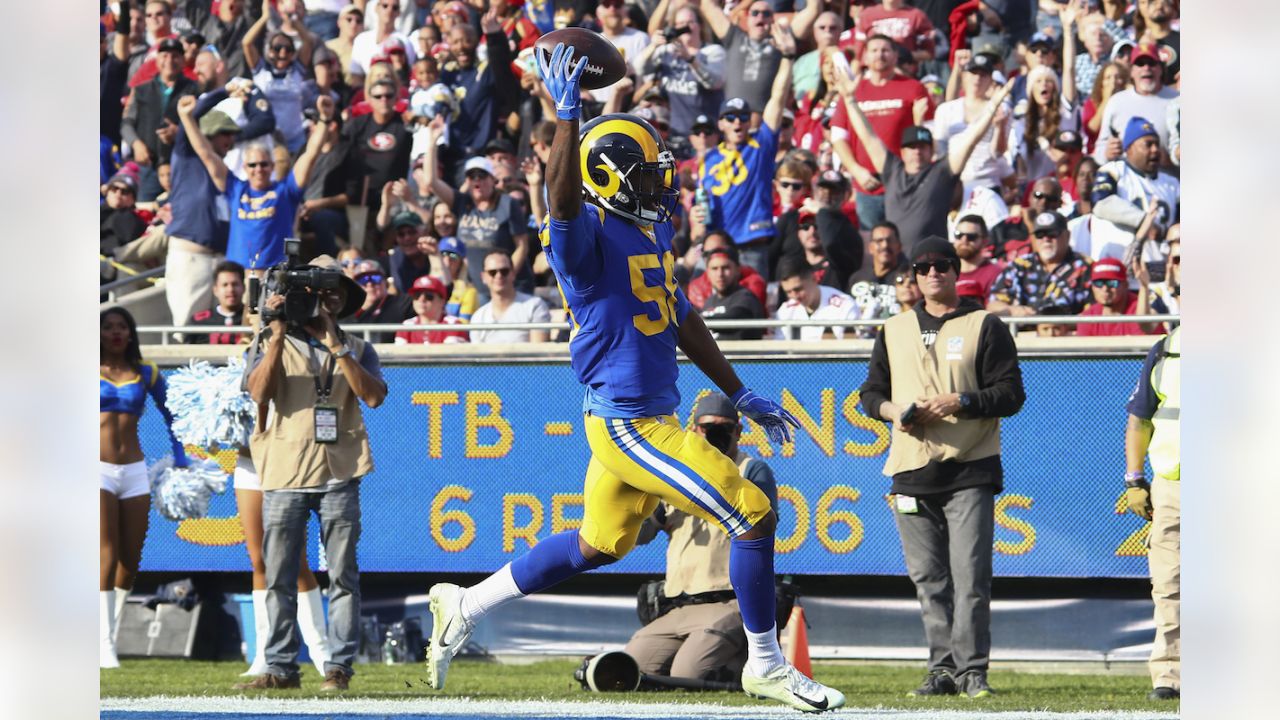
[813,703]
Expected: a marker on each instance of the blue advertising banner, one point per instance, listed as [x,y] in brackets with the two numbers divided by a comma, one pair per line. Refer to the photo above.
[476,462]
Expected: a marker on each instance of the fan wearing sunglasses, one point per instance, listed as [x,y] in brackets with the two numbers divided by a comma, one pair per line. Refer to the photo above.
[1111,296]
[944,374]
[379,305]
[282,73]
[262,210]
[738,174]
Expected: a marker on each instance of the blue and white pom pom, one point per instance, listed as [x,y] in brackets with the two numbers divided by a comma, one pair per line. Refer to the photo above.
[184,493]
[209,408]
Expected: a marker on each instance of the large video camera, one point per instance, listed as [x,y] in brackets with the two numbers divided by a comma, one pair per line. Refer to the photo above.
[297,282]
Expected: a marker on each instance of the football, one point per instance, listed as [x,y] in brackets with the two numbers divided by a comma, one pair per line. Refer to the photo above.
[605,65]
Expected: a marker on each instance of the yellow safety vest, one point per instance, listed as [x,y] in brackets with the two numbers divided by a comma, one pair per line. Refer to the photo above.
[1166,381]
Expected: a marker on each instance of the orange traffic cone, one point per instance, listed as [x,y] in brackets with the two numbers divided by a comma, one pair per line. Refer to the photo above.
[795,642]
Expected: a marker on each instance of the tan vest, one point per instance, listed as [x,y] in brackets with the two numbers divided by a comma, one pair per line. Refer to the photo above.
[949,366]
[286,453]
[697,551]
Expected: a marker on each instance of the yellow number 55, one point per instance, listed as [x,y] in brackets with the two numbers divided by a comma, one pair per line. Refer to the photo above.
[664,295]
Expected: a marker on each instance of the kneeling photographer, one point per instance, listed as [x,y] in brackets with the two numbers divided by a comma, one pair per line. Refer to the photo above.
[698,633]
[311,454]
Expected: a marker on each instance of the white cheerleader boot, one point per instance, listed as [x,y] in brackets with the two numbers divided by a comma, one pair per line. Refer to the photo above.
[107,630]
[261,629]
[311,623]
[122,596]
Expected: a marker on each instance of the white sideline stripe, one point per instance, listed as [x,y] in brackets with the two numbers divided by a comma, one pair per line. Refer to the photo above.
[690,486]
[465,707]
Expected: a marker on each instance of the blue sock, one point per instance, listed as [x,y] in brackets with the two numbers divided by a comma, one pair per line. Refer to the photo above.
[751,574]
[553,560]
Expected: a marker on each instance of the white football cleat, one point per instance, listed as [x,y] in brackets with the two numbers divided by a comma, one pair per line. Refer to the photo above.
[449,632]
[789,686]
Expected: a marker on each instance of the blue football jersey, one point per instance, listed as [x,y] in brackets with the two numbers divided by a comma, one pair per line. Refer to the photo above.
[618,282]
[739,185]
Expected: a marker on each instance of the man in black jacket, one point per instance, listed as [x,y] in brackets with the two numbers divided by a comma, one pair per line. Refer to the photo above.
[729,300]
[944,374]
[151,120]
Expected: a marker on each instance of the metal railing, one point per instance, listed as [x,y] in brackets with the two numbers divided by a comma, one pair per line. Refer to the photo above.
[135,276]
[366,330]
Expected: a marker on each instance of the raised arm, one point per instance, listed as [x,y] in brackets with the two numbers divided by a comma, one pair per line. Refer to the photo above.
[560,73]
[658,19]
[847,84]
[204,150]
[120,43]
[962,58]
[430,163]
[295,23]
[786,44]
[962,145]
[307,160]
[802,22]
[249,44]
[1069,26]
[715,17]
[159,391]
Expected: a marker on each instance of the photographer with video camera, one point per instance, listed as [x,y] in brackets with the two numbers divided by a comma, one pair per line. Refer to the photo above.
[697,633]
[312,453]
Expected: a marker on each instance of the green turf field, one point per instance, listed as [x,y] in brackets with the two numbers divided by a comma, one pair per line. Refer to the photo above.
[865,685]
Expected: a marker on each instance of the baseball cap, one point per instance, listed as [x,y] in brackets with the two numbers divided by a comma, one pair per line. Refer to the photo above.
[1107,269]
[498,145]
[124,180]
[368,267]
[715,404]
[1045,39]
[981,63]
[734,106]
[216,122]
[1136,129]
[1049,221]
[1068,140]
[1122,48]
[1145,51]
[833,178]
[915,135]
[350,9]
[479,163]
[406,219]
[934,248]
[169,44]
[394,45]
[991,48]
[428,284]
[702,121]
[453,246]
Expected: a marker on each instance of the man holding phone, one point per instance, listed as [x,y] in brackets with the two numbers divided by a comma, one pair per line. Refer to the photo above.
[944,374]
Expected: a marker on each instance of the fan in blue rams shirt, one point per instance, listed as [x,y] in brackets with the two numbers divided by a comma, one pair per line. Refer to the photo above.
[737,175]
[613,260]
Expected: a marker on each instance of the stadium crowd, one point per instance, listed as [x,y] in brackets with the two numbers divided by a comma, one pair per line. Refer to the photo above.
[818,143]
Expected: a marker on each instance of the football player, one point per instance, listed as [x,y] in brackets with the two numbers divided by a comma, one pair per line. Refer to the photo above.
[614,263]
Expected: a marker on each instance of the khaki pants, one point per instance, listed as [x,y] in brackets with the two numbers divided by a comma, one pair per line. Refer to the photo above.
[1166,581]
[188,279]
[702,642]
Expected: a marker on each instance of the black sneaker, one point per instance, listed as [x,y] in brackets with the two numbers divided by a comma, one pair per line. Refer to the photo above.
[1164,693]
[974,684]
[937,682]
